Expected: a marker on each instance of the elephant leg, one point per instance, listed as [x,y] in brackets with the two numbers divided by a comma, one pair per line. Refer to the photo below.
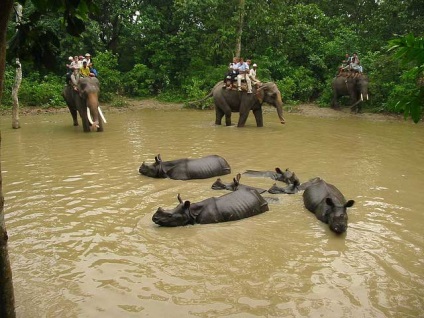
[334,102]
[74,115]
[219,114]
[243,118]
[84,119]
[69,99]
[259,117]
[100,128]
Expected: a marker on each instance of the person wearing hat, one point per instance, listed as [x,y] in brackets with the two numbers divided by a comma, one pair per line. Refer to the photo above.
[88,58]
[252,75]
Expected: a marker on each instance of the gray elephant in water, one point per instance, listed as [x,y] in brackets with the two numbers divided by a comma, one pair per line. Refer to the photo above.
[354,86]
[232,101]
[85,101]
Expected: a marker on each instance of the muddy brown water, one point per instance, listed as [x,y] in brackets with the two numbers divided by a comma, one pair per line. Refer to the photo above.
[82,243]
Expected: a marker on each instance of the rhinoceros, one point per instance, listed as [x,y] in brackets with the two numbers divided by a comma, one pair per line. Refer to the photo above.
[186,169]
[232,206]
[327,203]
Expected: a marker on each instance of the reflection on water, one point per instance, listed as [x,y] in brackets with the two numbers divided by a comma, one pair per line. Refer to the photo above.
[82,243]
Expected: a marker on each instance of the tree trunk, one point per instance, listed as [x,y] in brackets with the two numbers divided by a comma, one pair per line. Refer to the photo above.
[7,299]
[15,90]
[18,78]
[240,27]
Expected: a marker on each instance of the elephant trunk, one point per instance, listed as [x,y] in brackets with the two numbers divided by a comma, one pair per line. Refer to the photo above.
[279,106]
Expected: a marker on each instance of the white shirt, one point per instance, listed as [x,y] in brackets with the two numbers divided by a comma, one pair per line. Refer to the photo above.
[252,74]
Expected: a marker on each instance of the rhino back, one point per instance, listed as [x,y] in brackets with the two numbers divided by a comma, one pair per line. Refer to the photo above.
[207,167]
[315,195]
[233,206]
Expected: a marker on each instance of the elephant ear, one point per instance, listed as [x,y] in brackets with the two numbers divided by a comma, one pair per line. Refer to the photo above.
[260,94]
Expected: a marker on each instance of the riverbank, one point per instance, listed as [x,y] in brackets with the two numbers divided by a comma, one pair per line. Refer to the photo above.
[309,110]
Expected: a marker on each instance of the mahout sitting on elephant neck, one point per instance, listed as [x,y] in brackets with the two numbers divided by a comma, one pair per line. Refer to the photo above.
[327,203]
[233,186]
[233,206]
[186,169]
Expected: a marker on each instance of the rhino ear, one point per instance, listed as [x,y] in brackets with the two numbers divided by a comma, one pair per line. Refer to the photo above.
[278,170]
[187,204]
[329,201]
[349,203]
[238,177]
[179,198]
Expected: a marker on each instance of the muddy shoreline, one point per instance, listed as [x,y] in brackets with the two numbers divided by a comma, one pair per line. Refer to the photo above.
[310,110]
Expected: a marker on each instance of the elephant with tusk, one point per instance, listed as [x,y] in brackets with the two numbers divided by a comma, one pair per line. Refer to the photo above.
[85,101]
[230,101]
[354,86]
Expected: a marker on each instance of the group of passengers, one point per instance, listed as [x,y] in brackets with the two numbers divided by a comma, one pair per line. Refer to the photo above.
[79,66]
[240,70]
[351,63]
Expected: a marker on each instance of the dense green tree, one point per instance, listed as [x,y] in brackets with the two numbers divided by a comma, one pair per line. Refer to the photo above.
[409,50]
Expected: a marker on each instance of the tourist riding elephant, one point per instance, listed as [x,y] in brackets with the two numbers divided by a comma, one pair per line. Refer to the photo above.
[233,206]
[85,101]
[354,86]
[232,101]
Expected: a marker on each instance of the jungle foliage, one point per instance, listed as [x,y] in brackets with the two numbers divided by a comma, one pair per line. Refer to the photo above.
[179,49]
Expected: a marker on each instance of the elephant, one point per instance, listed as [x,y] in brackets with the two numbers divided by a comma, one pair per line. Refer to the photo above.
[233,186]
[233,101]
[286,176]
[186,169]
[355,86]
[232,206]
[85,101]
[328,204]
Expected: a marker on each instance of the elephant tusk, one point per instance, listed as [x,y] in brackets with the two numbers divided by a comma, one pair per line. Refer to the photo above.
[101,115]
[367,97]
[89,116]
[362,97]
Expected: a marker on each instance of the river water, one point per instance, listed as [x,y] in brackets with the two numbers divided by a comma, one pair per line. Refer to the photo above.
[82,242]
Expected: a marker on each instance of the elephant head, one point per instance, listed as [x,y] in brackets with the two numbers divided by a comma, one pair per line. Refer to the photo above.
[270,94]
[360,87]
[89,88]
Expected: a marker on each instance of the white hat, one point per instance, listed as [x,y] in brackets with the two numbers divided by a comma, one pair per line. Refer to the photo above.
[70,58]
[254,65]
[84,61]
[87,54]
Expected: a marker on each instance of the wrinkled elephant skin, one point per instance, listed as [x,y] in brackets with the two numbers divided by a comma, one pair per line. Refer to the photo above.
[186,169]
[355,87]
[85,101]
[230,101]
[328,204]
[233,206]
